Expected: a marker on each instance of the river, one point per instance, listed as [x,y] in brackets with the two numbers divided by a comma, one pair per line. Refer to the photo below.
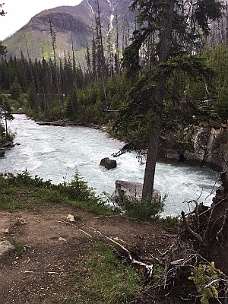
[56,153]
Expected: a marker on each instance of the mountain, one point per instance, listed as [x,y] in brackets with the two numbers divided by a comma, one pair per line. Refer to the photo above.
[73,26]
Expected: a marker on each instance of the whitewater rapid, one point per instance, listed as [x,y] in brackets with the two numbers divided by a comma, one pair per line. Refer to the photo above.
[56,153]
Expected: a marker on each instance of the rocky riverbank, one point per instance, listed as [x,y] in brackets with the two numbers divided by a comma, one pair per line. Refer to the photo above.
[67,123]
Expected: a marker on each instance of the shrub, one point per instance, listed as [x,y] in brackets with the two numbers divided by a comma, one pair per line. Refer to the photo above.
[146,209]
[171,224]
[78,189]
[36,190]
[206,278]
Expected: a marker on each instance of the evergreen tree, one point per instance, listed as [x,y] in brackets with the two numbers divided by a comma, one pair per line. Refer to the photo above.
[175,29]
[2,49]
[15,90]
[72,107]
[5,113]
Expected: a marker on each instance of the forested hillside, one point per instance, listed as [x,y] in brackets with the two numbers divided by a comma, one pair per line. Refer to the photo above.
[74,28]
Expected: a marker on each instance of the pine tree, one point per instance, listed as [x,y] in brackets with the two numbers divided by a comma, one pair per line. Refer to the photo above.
[175,29]
[5,113]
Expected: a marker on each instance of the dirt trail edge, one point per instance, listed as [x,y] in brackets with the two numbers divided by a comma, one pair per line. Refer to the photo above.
[53,246]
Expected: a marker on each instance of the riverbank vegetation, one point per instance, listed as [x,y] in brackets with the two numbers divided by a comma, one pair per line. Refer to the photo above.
[111,270]
[75,193]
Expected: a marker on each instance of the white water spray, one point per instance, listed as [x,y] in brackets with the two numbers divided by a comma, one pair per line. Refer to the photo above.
[57,153]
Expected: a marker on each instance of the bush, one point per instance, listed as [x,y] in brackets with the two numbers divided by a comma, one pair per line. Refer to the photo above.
[171,224]
[207,281]
[146,209]
[78,189]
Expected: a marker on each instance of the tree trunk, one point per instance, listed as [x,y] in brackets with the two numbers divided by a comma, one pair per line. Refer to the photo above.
[6,126]
[148,184]
[165,42]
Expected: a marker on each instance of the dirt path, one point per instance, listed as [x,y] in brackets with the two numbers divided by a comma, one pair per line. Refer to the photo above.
[53,246]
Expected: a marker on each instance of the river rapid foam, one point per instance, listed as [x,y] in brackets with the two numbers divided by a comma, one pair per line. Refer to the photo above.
[57,153]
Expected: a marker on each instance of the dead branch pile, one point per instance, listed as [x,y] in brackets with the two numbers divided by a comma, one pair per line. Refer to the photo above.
[207,228]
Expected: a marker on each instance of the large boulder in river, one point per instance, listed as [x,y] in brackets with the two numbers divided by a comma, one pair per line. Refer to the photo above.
[108,163]
[2,152]
[132,190]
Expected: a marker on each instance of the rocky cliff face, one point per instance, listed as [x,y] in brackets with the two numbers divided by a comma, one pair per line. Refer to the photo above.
[208,146]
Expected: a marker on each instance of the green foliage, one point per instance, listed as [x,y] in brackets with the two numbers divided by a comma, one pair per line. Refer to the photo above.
[196,91]
[24,178]
[143,210]
[218,60]
[207,10]
[111,281]
[135,118]
[19,247]
[21,190]
[193,66]
[77,189]
[7,202]
[15,90]
[206,278]
[49,196]
[37,191]
[5,115]
[171,224]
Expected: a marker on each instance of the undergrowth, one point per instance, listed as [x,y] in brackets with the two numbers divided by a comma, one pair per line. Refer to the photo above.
[23,191]
[143,210]
[171,224]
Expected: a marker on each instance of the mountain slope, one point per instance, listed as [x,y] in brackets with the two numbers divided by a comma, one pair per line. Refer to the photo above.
[73,25]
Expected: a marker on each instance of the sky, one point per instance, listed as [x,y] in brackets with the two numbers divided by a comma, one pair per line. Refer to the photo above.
[19,12]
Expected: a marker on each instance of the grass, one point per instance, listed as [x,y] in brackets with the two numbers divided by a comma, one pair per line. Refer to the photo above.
[171,224]
[103,279]
[22,191]
[113,281]
[19,247]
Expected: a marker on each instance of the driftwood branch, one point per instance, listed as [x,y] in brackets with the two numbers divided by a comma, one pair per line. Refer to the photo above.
[222,226]
[148,267]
